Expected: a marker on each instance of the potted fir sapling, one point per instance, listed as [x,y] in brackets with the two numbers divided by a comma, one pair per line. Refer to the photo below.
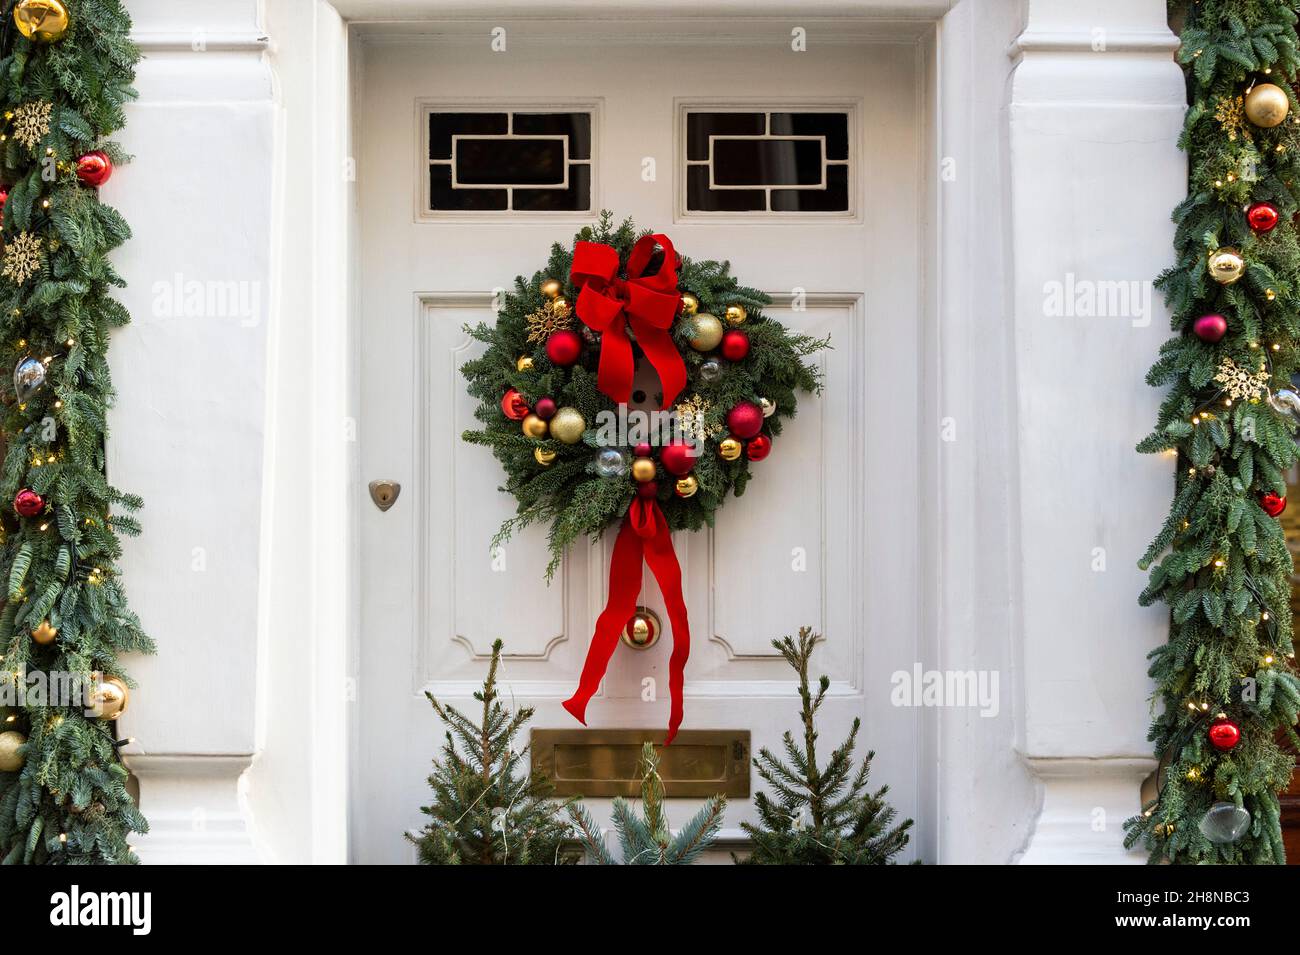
[487,809]
[645,839]
[819,815]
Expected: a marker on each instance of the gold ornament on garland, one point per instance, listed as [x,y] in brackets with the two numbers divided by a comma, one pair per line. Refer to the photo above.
[1267,105]
[22,258]
[32,123]
[736,314]
[687,486]
[643,469]
[43,21]
[692,415]
[10,759]
[109,698]
[550,318]
[1231,114]
[1240,384]
[551,288]
[568,425]
[690,304]
[706,332]
[729,449]
[533,426]
[45,633]
[524,363]
[1226,265]
[543,457]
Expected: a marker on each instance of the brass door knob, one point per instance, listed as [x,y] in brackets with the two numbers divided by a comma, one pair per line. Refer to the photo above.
[642,631]
[384,493]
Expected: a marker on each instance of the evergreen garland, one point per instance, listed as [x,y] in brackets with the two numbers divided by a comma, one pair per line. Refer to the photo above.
[568,493]
[68,803]
[1220,561]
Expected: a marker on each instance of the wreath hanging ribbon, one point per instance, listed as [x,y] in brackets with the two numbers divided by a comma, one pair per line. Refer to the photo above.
[608,304]
[644,536]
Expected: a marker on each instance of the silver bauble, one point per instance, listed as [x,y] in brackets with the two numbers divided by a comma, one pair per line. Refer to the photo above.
[1224,822]
[710,370]
[1285,401]
[611,463]
[767,406]
[29,376]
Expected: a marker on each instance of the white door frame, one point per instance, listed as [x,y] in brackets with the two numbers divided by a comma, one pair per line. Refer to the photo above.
[974,608]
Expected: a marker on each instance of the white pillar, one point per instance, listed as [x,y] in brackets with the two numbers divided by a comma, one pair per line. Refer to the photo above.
[1096,107]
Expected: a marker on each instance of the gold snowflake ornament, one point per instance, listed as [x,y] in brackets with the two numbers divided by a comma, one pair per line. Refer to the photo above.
[32,122]
[22,257]
[691,416]
[1240,384]
[1231,114]
[548,319]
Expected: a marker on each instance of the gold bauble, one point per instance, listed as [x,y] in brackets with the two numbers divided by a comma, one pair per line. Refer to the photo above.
[560,305]
[543,457]
[642,631]
[729,449]
[41,20]
[1226,265]
[736,314]
[45,634]
[767,406]
[706,332]
[534,426]
[551,288]
[687,486]
[567,425]
[10,759]
[690,304]
[1267,105]
[643,469]
[524,363]
[110,698]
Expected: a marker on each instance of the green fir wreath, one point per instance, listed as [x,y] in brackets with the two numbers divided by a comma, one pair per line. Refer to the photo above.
[571,485]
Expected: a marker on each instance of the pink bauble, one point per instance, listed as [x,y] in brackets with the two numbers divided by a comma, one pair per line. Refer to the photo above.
[745,420]
[678,458]
[563,347]
[545,408]
[1210,328]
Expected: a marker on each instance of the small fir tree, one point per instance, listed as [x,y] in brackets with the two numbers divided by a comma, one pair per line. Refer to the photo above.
[484,810]
[646,839]
[820,816]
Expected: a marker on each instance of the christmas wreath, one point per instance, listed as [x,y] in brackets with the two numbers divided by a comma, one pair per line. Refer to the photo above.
[625,383]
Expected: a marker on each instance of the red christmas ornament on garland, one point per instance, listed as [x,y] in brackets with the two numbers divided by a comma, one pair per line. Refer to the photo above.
[28,503]
[545,409]
[563,347]
[1262,217]
[94,168]
[1210,328]
[514,406]
[678,458]
[758,448]
[735,345]
[1273,504]
[745,420]
[1224,734]
[4,197]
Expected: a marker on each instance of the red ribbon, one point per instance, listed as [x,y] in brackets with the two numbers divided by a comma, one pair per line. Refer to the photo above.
[650,304]
[644,535]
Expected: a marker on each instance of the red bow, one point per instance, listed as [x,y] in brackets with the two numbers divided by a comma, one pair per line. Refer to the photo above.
[650,303]
[644,535]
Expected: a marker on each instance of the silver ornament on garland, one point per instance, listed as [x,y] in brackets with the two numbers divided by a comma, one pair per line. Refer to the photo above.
[611,463]
[767,406]
[710,370]
[1224,822]
[29,377]
[1285,401]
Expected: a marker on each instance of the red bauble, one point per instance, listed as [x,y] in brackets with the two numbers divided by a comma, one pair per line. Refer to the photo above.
[28,503]
[643,450]
[745,420]
[678,458]
[1210,328]
[1224,734]
[758,448]
[735,345]
[94,168]
[647,489]
[1262,216]
[514,406]
[1273,504]
[545,408]
[563,347]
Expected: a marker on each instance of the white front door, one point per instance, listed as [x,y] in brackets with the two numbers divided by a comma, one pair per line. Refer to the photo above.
[471,161]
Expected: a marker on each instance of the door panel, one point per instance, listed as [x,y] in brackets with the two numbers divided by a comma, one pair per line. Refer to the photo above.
[825,534]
